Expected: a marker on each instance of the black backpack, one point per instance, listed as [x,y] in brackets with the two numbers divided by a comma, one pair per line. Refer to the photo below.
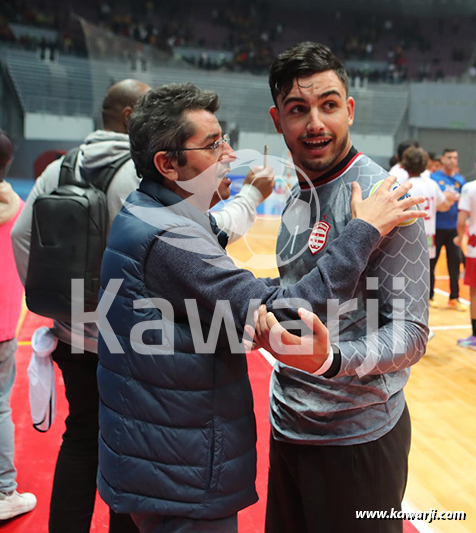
[68,238]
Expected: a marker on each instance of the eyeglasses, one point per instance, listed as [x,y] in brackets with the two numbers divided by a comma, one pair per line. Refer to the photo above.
[214,146]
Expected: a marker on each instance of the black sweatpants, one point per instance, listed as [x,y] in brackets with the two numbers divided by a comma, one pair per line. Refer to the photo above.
[74,485]
[318,489]
[444,237]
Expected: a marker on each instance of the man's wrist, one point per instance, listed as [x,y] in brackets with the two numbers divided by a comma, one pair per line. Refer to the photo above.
[326,364]
[331,365]
[252,194]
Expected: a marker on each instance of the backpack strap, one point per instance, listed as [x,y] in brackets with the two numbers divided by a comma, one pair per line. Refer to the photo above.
[104,177]
[68,166]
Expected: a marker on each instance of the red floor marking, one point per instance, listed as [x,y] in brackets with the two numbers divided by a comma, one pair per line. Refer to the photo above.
[251,520]
[36,452]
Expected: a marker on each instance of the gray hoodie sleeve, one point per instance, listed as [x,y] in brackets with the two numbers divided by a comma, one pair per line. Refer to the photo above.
[21,232]
[398,316]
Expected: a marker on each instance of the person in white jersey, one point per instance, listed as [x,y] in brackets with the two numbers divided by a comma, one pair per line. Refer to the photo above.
[467,213]
[397,170]
[414,162]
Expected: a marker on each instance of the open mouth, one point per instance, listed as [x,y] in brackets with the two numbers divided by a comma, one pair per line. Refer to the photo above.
[316,143]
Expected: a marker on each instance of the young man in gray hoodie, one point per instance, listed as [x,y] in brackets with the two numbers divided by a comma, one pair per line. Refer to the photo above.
[340,445]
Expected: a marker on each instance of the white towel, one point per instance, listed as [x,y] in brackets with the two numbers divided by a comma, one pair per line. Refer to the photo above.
[41,374]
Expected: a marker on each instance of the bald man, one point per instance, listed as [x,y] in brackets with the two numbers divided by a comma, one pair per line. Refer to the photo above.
[74,486]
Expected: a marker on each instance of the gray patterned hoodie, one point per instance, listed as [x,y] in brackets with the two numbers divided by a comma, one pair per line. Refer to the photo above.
[365,399]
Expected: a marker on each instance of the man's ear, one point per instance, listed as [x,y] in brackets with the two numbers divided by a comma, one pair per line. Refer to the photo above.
[126,113]
[350,110]
[166,166]
[274,112]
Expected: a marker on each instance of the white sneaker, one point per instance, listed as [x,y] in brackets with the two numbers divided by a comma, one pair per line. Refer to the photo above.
[16,504]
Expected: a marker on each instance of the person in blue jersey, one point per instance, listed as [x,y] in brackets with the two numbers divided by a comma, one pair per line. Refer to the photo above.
[340,441]
[450,181]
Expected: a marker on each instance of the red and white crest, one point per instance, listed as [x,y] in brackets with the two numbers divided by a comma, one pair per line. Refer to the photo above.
[318,237]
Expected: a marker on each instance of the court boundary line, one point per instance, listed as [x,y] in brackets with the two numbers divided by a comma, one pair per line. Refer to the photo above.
[444,293]
[419,525]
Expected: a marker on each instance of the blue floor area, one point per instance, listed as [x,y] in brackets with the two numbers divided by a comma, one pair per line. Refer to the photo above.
[273,205]
[22,186]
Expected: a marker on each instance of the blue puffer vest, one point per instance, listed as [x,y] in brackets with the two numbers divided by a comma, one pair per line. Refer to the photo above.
[177,430]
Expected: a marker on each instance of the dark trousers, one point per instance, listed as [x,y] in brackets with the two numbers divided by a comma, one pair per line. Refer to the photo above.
[150,523]
[74,485]
[444,237]
[320,488]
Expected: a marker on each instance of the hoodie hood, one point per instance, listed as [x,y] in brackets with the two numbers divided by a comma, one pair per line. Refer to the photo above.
[101,148]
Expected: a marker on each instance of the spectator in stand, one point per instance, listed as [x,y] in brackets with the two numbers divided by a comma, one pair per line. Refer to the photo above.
[449,180]
[12,503]
[467,213]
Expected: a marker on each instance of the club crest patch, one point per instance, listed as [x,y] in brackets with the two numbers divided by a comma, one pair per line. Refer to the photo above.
[318,237]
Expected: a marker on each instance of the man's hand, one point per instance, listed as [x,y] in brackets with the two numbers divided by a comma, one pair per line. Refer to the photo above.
[457,241]
[262,178]
[383,209]
[306,353]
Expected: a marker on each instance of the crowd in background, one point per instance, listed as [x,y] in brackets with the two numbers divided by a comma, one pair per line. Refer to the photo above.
[251,34]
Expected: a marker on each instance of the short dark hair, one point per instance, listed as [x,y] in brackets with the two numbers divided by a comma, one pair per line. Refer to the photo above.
[414,160]
[158,122]
[433,156]
[404,145]
[301,61]
[449,150]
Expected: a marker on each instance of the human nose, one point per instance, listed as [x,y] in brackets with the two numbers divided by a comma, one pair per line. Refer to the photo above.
[227,153]
[315,123]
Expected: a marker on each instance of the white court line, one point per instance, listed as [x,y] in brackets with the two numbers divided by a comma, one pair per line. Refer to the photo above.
[419,525]
[271,360]
[444,293]
[438,278]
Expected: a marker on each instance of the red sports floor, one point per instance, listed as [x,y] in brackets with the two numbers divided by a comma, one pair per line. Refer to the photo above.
[36,452]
